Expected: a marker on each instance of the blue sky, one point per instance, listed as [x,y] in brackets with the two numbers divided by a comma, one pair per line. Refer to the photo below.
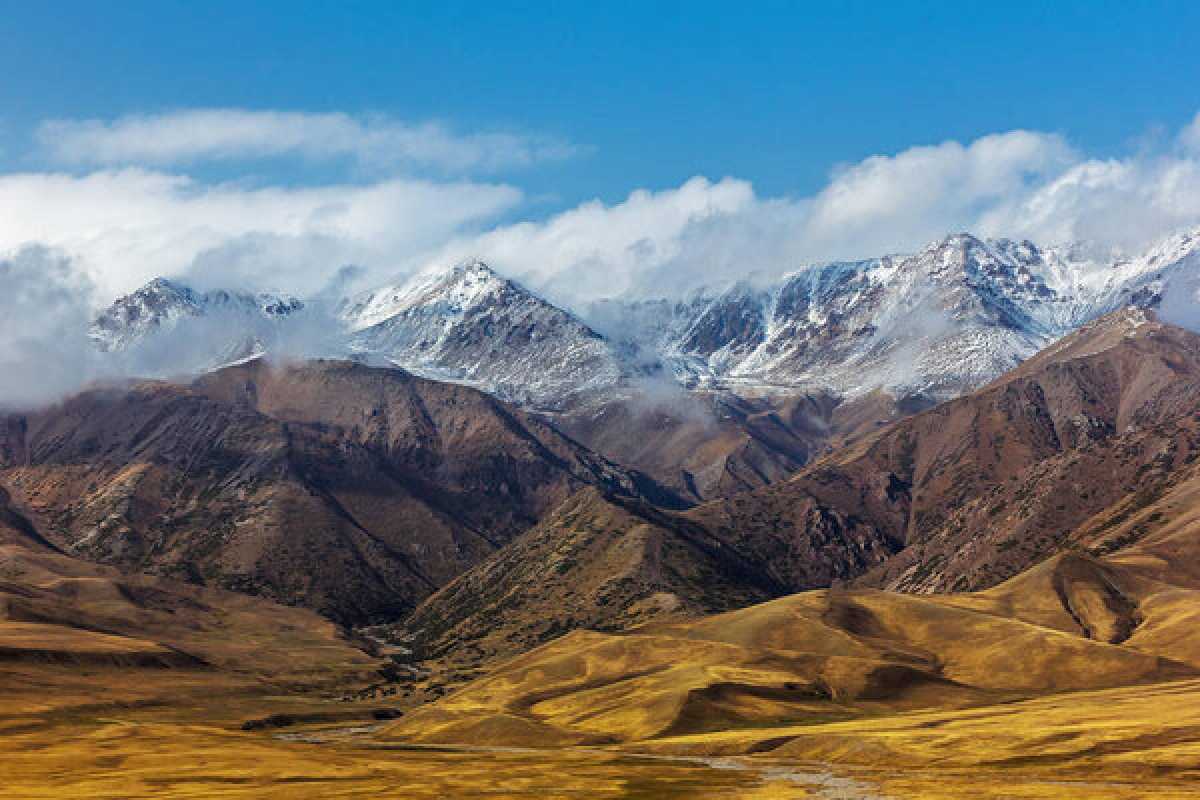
[776,93]
[587,148]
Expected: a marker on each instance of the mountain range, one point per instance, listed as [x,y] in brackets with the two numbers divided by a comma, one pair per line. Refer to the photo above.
[960,497]
[718,392]
[938,322]
[869,513]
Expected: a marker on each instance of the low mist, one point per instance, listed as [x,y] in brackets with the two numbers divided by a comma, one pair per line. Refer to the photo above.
[1181,296]
[48,305]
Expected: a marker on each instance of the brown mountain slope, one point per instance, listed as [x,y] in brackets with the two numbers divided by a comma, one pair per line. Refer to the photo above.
[1155,531]
[706,446]
[16,529]
[957,497]
[596,562]
[351,490]
[975,490]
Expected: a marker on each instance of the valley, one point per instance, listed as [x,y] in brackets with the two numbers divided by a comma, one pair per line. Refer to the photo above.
[599,401]
[335,577]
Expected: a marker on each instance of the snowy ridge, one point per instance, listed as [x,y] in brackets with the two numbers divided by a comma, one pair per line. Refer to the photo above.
[166,328]
[938,322]
[162,305]
[469,324]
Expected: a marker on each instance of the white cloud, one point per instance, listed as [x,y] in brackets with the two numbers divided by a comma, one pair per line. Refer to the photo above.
[885,202]
[228,134]
[45,306]
[1020,184]
[1126,203]
[1122,202]
[1189,137]
[601,250]
[125,226]
[701,233]
[128,226]
[99,234]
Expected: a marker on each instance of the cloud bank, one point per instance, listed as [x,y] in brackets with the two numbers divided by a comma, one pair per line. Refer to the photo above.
[125,227]
[122,225]
[45,305]
[1020,184]
[231,134]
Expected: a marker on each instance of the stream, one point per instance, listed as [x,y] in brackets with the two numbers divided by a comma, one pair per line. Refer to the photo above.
[815,781]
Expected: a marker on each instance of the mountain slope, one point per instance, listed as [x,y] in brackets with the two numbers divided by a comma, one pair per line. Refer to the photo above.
[766,674]
[958,497]
[973,491]
[594,562]
[352,490]
[711,444]
[62,611]
[468,324]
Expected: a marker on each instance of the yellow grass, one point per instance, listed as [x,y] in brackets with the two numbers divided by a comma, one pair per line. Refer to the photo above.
[993,695]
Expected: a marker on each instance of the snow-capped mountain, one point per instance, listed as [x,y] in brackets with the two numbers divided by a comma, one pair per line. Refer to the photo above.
[168,326]
[938,322]
[468,324]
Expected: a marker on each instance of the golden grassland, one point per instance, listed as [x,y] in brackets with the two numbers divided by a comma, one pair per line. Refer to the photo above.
[1078,678]
[1044,687]
[118,686]
[123,758]
[1132,742]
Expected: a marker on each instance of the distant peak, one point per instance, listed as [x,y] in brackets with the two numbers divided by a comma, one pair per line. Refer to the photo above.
[472,266]
[960,239]
[161,284]
[964,237]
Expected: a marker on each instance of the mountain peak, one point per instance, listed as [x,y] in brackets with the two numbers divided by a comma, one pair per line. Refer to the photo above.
[162,303]
[158,290]
[468,324]
[162,283]
[473,266]
[960,250]
[454,288]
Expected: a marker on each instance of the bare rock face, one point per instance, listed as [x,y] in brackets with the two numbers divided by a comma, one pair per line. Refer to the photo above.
[971,492]
[352,490]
